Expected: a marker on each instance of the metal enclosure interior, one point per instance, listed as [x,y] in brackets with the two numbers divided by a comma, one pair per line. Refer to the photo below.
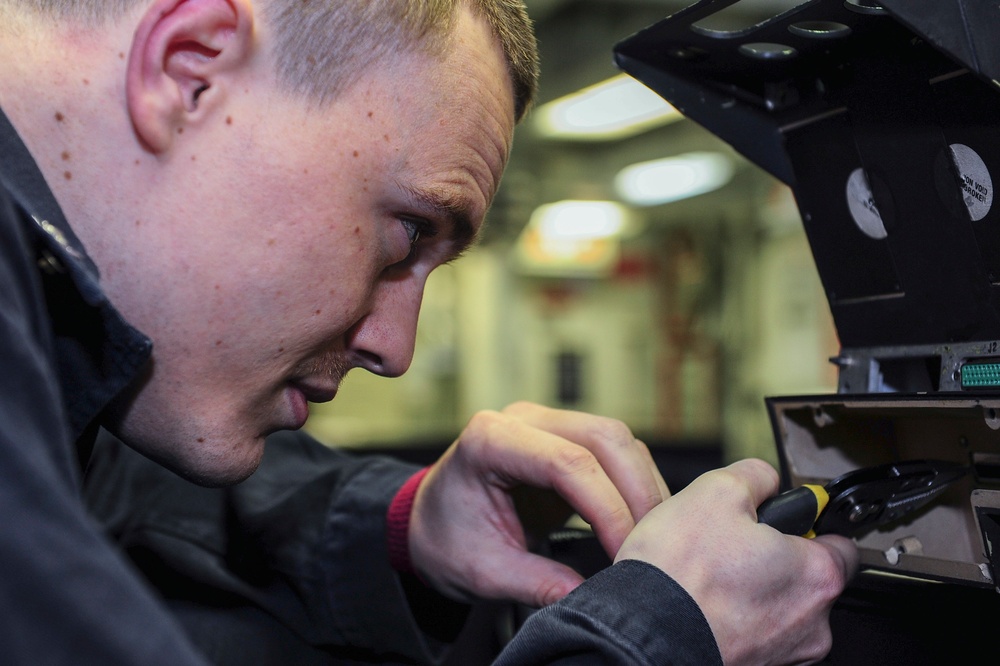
[820,438]
[884,119]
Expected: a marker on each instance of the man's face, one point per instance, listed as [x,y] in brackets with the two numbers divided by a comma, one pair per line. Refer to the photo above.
[275,253]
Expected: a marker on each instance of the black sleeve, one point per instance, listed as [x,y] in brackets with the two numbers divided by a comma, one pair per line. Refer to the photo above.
[290,566]
[631,614]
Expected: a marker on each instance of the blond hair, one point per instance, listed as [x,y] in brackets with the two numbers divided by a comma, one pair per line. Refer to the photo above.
[322,46]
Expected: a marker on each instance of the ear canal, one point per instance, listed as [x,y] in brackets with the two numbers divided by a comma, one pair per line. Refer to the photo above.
[196,94]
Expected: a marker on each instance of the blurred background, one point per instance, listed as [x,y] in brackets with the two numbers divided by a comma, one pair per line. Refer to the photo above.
[632,266]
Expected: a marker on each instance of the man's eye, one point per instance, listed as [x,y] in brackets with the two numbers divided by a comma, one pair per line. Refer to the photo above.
[414,228]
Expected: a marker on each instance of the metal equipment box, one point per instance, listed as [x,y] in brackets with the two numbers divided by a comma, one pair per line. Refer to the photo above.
[884,120]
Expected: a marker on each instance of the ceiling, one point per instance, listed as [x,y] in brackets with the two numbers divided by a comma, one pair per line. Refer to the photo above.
[576,38]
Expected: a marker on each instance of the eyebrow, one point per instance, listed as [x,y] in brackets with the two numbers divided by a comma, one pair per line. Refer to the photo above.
[455,210]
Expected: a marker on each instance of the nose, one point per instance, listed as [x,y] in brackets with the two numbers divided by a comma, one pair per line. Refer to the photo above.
[382,341]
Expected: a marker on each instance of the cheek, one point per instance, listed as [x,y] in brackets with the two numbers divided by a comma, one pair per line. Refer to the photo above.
[328,286]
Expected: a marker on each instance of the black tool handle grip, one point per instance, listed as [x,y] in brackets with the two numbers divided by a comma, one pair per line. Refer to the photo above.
[794,511]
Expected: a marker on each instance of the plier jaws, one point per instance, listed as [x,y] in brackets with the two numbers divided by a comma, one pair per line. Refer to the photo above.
[861,499]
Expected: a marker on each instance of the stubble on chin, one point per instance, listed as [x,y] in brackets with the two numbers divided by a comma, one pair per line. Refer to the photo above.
[219,464]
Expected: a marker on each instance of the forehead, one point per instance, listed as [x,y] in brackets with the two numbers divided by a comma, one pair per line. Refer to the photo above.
[448,117]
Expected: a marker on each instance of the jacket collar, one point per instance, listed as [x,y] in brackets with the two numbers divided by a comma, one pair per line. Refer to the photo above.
[98,355]
[20,175]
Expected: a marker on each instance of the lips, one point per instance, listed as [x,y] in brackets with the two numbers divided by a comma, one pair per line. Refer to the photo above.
[300,394]
[315,392]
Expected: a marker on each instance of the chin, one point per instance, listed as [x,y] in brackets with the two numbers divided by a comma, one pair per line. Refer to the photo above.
[213,455]
[223,468]
[210,464]
[215,476]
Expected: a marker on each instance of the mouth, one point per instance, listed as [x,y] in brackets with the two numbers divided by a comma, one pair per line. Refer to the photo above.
[315,392]
[301,394]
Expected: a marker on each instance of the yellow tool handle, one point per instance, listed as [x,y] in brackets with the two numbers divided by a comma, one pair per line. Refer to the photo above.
[794,511]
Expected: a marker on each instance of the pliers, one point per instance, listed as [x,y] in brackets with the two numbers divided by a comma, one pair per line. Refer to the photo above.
[861,499]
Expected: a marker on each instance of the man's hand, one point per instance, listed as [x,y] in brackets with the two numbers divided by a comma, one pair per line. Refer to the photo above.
[767,596]
[465,537]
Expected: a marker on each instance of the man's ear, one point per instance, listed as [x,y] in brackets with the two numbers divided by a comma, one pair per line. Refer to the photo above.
[181,53]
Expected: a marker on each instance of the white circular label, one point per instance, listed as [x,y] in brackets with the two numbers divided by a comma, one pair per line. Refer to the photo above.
[977,186]
[861,203]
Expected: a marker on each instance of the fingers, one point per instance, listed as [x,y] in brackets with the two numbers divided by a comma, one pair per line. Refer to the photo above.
[763,482]
[761,479]
[465,535]
[661,484]
[539,580]
[843,552]
[626,460]
[513,452]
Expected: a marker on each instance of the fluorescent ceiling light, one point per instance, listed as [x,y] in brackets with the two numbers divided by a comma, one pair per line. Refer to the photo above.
[673,178]
[572,239]
[613,109]
[579,220]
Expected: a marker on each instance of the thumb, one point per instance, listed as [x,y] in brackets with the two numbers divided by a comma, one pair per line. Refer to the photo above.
[843,551]
[536,581]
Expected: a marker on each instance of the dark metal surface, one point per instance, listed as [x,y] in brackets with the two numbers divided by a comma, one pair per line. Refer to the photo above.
[860,111]
[892,621]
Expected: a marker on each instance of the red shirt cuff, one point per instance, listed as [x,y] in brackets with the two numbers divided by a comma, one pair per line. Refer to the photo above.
[398,523]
